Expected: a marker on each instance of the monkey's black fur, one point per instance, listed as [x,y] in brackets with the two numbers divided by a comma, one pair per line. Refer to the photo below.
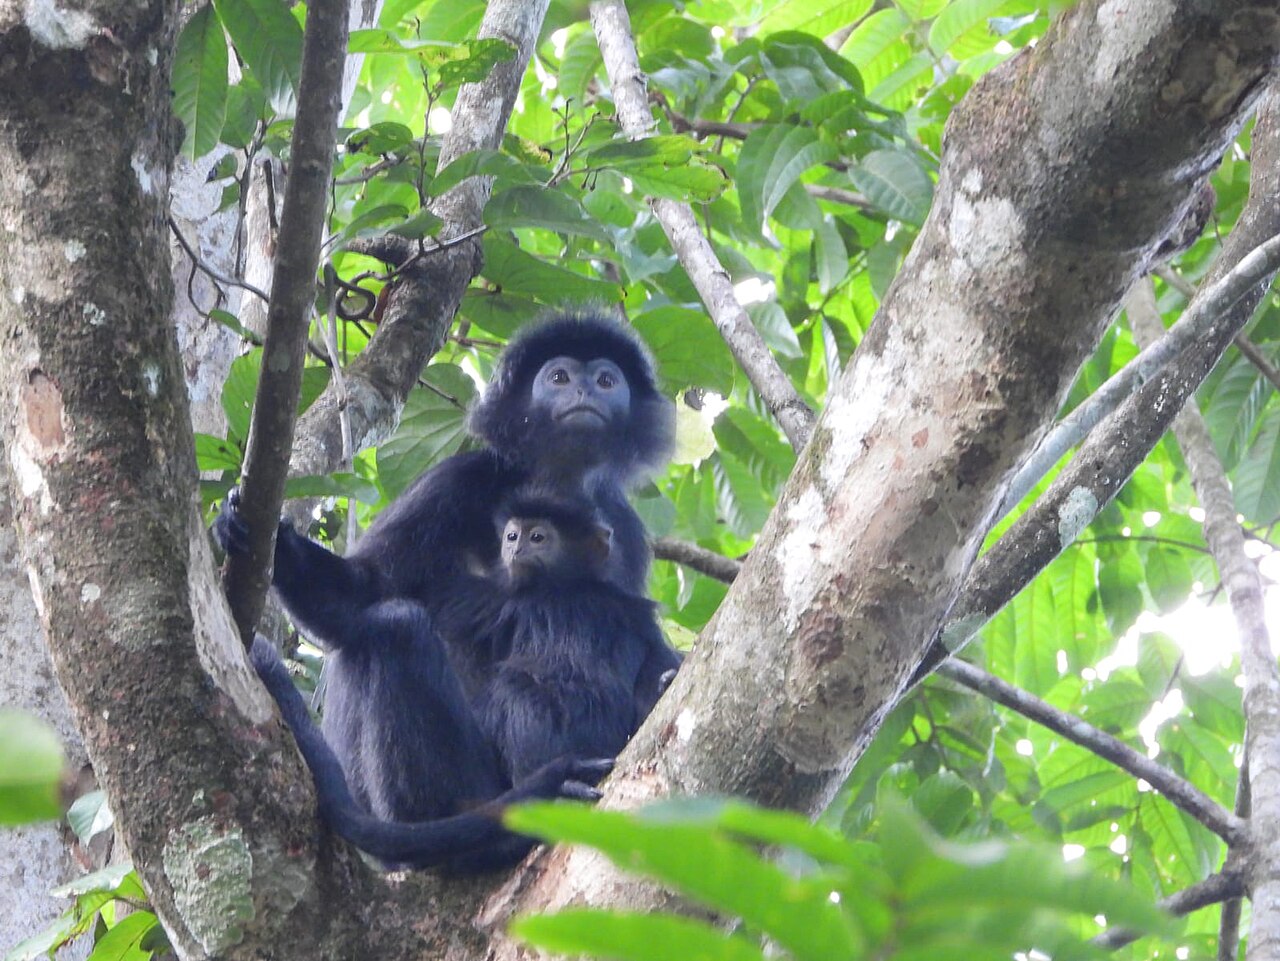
[403,616]
[465,843]
[583,662]
[571,651]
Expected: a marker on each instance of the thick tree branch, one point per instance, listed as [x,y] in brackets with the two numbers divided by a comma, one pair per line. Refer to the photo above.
[1261,676]
[293,290]
[617,47]
[1204,312]
[697,558]
[428,294]
[1180,792]
[1115,448]
[1214,889]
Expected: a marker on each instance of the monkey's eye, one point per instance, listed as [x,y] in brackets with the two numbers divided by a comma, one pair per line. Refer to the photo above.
[537,537]
[606,380]
[559,376]
[512,536]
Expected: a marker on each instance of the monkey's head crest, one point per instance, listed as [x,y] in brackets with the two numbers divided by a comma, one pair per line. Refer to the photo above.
[501,418]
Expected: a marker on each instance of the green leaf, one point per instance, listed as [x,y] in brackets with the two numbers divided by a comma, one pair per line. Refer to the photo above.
[269,40]
[544,208]
[242,385]
[1257,477]
[772,159]
[817,17]
[30,769]
[44,943]
[333,485]
[1169,577]
[1215,702]
[797,913]
[670,166]
[959,17]
[689,350]
[580,63]
[116,878]
[483,163]
[217,453]
[200,81]
[518,272]
[1158,658]
[123,942]
[633,937]
[743,502]
[874,36]
[1117,706]
[432,427]
[775,327]
[90,815]
[894,182]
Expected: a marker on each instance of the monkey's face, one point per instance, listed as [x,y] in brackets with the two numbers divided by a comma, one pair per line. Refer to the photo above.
[531,548]
[582,396]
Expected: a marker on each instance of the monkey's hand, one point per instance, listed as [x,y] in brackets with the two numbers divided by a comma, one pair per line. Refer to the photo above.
[229,527]
[565,777]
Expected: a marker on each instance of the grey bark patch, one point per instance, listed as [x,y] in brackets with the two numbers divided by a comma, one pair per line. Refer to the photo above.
[210,869]
[1075,514]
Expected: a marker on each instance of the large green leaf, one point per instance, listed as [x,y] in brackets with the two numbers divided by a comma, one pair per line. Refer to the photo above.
[633,937]
[796,912]
[689,350]
[663,166]
[200,81]
[772,159]
[432,427]
[124,940]
[894,182]
[959,17]
[515,271]
[270,42]
[1257,477]
[817,17]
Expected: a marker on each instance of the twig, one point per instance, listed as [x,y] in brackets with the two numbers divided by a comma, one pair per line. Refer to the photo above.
[208,271]
[293,292]
[1243,343]
[613,33]
[1214,889]
[1229,924]
[1181,793]
[839,195]
[697,558]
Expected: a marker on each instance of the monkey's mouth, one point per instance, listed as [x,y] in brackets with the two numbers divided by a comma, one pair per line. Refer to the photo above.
[574,413]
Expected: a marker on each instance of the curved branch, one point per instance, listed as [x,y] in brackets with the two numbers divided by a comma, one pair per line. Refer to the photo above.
[1214,889]
[697,558]
[1181,793]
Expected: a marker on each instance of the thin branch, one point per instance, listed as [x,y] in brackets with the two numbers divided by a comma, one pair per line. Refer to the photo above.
[1183,794]
[697,558]
[199,264]
[1229,924]
[839,195]
[709,128]
[293,292]
[1209,305]
[613,33]
[1214,889]
[1243,343]
[1258,359]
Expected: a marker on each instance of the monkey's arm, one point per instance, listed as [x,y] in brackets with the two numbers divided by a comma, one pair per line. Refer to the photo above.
[323,593]
[661,661]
